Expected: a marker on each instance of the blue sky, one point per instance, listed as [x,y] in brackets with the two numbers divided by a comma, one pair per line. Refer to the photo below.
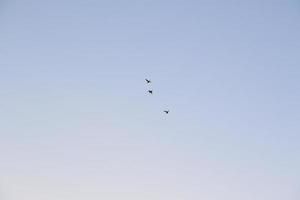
[76,121]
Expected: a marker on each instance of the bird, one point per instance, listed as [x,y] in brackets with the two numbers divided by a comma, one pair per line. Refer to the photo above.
[166,111]
[148,81]
[150,91]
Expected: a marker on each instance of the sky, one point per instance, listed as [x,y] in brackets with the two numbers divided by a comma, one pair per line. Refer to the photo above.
[77,123]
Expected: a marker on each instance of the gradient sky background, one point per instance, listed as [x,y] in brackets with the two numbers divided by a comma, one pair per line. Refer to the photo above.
[76,122]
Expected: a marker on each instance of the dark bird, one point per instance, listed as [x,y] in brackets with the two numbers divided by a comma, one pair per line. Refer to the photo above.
[150,91]
[166,111]
[148,81]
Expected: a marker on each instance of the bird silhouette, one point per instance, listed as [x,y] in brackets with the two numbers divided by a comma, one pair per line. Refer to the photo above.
[166,111]
[148,81]
[150,91]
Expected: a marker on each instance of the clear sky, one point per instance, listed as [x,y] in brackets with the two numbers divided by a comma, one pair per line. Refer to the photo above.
[77,123]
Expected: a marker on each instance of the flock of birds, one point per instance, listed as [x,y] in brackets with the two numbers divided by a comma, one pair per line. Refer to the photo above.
[151,92]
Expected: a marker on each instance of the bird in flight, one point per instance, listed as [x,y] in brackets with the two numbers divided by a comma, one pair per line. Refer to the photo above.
[148,81]
[150,91]
[166,111]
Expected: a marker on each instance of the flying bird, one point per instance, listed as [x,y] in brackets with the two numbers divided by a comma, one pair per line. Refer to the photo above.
[166,111]
[150,91]
[148,81]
